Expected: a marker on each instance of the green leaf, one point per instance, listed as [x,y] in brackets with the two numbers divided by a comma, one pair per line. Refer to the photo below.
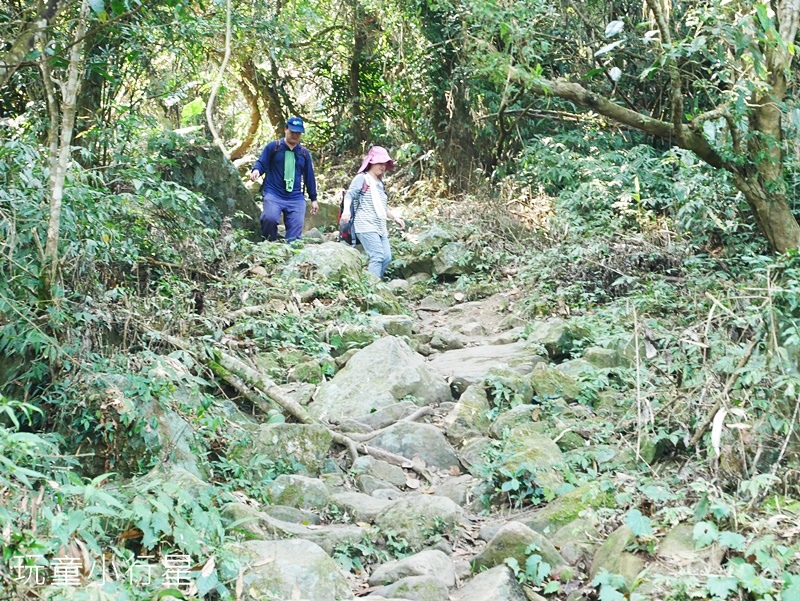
[98,6]
[610,594]
[791,590]
[704,534]
[721,587]
[732,540]
[553,586]
[638,523]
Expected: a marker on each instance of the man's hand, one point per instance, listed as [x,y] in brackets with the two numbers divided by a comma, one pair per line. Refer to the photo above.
[254,175]
[345,216]
[314,207]
[399,221]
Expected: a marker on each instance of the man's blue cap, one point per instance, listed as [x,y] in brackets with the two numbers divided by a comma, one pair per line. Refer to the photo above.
[295,124]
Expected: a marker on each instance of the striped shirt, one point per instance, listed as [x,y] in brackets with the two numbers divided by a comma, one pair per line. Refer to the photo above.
[366,218]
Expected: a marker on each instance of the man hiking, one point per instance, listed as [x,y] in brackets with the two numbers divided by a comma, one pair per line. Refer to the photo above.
[286,166]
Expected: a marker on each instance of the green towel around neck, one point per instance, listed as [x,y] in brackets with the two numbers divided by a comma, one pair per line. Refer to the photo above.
[288,169]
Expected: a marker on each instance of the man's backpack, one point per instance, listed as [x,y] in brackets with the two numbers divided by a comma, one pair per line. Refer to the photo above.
[346,232]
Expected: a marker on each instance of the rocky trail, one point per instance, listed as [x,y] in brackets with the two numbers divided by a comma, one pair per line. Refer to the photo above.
[502,491]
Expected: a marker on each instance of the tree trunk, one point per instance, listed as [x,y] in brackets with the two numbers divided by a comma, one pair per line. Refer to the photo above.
[68,111]
[359,48]
[770,207]
[251,96]
[11,59]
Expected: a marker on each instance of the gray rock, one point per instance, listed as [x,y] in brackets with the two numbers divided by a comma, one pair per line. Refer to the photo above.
[576,367]
[506,387]
[424,563]
[399,286]
[256,524]
[330,261]
[473,328]
[435,303]
[420,519]
[418,278]
[292,514]
[298,491]
[470,365]
[556,335]
[613,557]
[497,584]
[446,340]
[303,445]
[392,325]
[512,540]
[376,377]
[678,550]
[281,569]
[370,484]
[603,358]
[469,417]
[450,260]
[510,322]
[564,509]
[388,494]
[411,439]
[458,490]
[516,416]
[577,541]
[360,507]
[472,455]
[324,219]
[300,392]
[205,170]
[416,588]
[388,415]
[386,472]
[548,381]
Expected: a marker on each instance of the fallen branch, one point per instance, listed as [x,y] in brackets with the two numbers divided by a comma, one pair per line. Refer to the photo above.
[259,381]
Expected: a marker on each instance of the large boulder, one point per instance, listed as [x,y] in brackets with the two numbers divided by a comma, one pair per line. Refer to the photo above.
[298,491]
[515,540]
[497,584]
[252,523]
[425,563]
[613,557]
[415,588]
[376,377]
[567,507]
[469,366]
[202,168]
[450,260]
[289,569]
[470,416]
[330,261]
[325,219]
[548,381]
[556,335]
[420,519]
[411,439]
[301,446]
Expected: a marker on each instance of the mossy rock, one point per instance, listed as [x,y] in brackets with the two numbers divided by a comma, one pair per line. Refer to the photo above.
[298,491]
[513,540]
[613,557]
[508,388]
[469,417]
[420,519]
[547,381]
[521,415]
[562,510]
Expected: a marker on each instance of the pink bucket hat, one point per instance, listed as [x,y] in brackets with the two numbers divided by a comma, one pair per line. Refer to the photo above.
[376,154]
